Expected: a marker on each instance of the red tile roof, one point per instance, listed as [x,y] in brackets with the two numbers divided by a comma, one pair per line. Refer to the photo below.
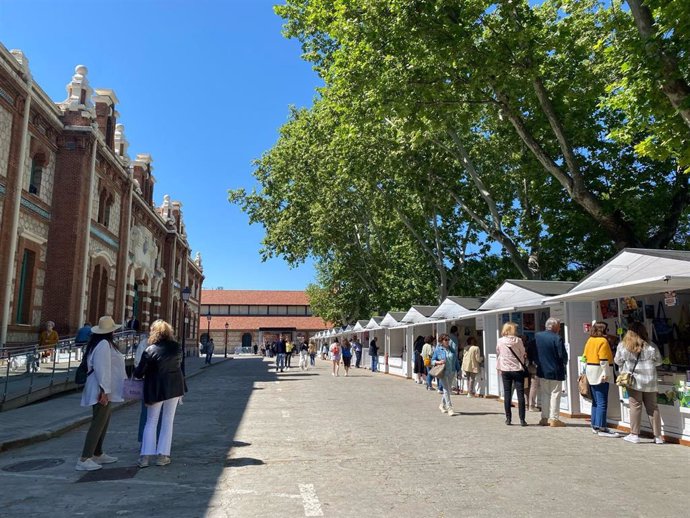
[253,323]
[254,297]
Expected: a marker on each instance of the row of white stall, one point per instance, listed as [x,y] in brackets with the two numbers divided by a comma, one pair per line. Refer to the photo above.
[652,286]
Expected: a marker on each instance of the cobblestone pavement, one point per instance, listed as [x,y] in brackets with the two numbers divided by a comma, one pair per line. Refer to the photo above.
[251,443]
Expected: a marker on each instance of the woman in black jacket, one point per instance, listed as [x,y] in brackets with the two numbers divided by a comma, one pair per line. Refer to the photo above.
[161,368]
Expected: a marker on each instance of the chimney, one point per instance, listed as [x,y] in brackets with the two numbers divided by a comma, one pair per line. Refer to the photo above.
[106,116]
[77,108]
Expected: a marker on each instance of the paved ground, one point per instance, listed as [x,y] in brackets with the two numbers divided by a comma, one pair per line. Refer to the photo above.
[252,443]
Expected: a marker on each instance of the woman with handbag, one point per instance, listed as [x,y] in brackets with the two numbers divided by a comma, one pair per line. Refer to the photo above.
[510,363]
[599,363]
[445,365]
[104,380]
[639,358]
[164,386]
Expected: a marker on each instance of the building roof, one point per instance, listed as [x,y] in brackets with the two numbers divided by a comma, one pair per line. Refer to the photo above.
[253,323]
[455,307]
[254,297]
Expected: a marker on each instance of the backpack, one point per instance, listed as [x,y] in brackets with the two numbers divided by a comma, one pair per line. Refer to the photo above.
[83,372]
[336,350]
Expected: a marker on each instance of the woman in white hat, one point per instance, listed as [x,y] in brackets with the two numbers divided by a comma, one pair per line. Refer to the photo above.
[106,372]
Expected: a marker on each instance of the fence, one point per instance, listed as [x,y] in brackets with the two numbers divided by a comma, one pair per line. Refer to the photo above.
[29,369]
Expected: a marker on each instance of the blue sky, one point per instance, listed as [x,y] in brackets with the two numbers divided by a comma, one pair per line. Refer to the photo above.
[203,85]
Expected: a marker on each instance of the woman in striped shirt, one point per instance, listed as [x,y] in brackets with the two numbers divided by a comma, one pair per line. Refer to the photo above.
[638,355]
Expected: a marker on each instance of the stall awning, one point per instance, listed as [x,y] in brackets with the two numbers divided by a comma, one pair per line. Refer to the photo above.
[657,284]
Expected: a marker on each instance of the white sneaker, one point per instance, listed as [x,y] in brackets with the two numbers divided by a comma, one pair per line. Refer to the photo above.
[469,395]
[87,465]
[659,440]
[104,458]
[608,433]
[635,439]
[442,408]
[594,431]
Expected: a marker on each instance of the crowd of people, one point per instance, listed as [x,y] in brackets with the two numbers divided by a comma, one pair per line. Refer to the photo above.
[534,370]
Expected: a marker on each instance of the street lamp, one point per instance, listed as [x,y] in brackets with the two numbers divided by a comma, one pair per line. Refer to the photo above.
[186,292]
[226,338]
[208,329]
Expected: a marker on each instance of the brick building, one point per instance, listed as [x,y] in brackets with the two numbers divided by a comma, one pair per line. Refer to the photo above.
[80,234]
[256,317]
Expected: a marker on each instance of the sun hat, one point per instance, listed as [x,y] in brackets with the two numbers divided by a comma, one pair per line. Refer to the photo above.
[105,325]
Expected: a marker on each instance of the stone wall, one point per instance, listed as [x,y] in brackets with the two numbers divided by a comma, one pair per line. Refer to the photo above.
[5,139]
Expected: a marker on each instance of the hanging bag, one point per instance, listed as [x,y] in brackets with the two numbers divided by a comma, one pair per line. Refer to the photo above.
[662,329]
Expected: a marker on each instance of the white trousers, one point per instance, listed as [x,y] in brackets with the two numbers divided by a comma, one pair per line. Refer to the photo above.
[153,413]
[550,398]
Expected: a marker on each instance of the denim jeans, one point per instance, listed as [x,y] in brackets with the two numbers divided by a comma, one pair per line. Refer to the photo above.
[358,361]
[446,387]
[374,363]
[280,361]
[600,402]
[516,378]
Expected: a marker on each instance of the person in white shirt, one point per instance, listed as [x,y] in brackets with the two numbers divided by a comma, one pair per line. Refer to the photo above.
[637,355]
[106,373]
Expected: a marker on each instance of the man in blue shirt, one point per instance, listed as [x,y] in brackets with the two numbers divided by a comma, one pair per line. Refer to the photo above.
[552,362]
[83,334]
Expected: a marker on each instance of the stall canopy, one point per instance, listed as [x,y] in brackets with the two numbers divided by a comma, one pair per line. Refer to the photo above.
[392,319]
[524,294]
[374,323]
[418,314]
[360,325]
[455,307]
[633,271]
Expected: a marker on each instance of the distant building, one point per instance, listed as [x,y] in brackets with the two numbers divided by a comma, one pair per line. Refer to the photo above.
[80,234]
[256,317]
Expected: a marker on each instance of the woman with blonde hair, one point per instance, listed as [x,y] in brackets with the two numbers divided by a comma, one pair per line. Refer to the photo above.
[598,369]
[640,357]
[164,385]
[510,363]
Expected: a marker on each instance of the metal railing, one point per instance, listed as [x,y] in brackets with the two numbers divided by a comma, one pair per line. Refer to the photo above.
[30,368]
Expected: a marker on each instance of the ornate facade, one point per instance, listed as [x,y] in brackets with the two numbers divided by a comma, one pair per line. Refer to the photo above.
[80,234]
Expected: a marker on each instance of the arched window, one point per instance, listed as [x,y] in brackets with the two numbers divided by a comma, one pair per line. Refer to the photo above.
[105,204]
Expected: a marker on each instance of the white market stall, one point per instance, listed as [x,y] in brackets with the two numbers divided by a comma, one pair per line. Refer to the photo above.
[652,286]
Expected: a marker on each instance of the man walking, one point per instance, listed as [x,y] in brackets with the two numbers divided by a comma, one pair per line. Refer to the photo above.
[280,354]
[552,361]
[374,353]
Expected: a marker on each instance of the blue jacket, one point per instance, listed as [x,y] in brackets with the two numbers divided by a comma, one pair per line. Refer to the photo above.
[551,357]
[451,357]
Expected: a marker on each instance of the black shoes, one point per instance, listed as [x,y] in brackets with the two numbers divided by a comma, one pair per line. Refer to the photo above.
[508,422]
[523,423]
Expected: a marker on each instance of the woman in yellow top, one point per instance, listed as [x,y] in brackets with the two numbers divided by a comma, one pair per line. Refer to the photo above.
[47,338]
[599,359]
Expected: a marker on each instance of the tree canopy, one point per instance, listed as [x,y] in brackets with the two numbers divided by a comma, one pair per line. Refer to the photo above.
[455,144]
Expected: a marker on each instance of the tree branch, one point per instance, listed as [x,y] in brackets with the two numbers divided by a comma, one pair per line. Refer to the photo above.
[674,86]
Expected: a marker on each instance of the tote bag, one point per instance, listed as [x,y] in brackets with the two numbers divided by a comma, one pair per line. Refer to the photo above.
[132,389]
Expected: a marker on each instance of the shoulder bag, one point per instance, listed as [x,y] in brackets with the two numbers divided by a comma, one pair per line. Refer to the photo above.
[525,370]
[627,379]
[583,387]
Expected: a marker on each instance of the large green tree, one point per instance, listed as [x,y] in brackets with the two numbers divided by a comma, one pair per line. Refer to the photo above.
[458,142]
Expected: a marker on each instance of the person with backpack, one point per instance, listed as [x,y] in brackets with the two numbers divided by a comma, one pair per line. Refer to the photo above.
[335,357]
[347,355]
[105,373]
